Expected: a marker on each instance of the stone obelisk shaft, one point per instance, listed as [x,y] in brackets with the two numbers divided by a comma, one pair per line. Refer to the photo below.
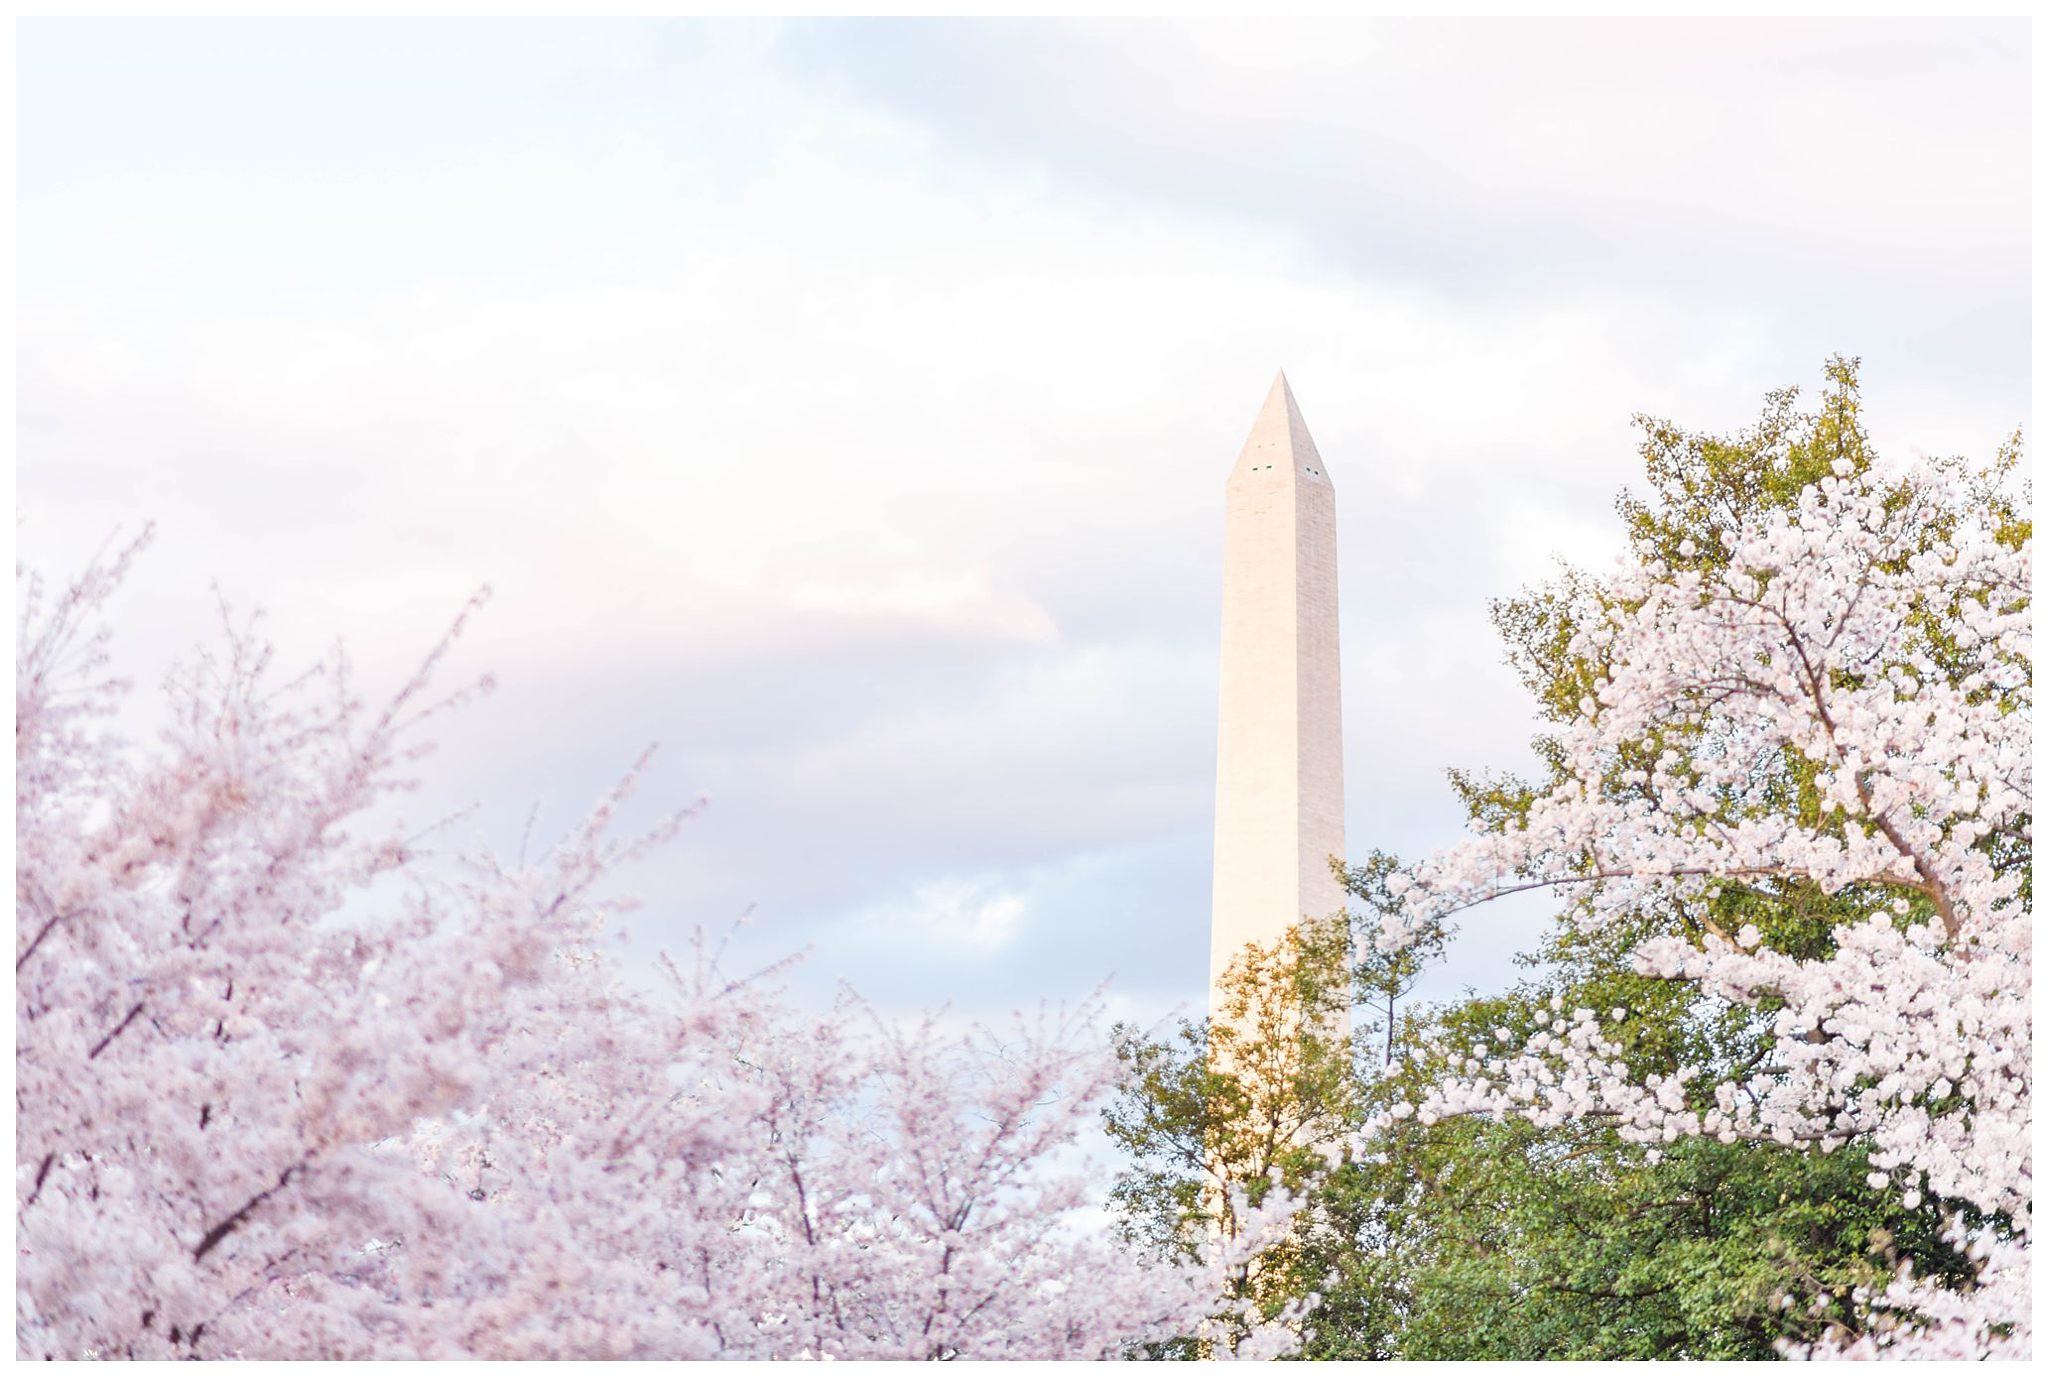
[1280,748]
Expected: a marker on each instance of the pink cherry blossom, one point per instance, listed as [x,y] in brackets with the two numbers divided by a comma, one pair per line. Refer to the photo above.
[286,1089]
[1914,1035]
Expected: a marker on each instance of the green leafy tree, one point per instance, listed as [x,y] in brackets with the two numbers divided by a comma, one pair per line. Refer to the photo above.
[1220,1112]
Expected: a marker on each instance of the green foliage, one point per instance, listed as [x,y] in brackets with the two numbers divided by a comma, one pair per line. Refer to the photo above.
[1475,1239]
[1563,1243]
[1521,1241]
[1259,1097]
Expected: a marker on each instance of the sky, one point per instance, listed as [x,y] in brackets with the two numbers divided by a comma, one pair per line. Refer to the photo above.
[846,405]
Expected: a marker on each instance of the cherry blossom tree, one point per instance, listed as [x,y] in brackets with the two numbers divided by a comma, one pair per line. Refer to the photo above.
[287,1087]
[1840,698]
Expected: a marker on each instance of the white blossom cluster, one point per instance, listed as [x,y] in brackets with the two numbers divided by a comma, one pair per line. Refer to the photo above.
[1824,644]
[283,1093]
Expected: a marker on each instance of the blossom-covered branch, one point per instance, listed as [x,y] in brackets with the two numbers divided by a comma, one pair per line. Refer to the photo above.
[1840,698]
[272,1105]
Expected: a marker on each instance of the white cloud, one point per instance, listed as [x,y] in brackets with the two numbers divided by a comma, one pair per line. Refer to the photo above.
[958,600]
[963,914]
[852,414]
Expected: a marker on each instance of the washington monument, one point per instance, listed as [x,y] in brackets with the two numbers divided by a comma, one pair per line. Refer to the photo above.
[1280,738]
